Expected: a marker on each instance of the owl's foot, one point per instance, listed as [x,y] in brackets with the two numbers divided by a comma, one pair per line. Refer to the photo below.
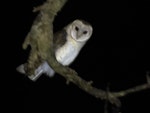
[44,68]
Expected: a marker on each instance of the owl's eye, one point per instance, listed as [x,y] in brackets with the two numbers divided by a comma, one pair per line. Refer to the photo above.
[76,28]
[84,32]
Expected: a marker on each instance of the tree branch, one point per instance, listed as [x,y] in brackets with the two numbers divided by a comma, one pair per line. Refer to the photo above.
[40,38]
[134,89]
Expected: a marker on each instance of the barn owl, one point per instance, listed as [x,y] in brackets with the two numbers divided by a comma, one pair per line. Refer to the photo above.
[67,44]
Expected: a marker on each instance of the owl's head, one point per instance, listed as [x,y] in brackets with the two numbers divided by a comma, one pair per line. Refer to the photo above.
[80,30]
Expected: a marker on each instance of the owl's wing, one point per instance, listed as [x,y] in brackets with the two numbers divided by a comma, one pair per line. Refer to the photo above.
[59,39]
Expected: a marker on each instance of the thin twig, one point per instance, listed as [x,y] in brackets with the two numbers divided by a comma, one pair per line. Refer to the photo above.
[133,90]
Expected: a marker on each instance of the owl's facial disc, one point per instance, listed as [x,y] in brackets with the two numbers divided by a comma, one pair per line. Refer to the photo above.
[81,32]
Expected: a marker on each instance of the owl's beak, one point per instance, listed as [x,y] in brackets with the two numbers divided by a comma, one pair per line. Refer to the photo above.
[79,34]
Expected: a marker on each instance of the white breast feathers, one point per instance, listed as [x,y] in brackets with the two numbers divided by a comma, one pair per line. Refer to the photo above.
[68,52]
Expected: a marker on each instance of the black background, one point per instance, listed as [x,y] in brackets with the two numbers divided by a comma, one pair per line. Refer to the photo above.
[117,54]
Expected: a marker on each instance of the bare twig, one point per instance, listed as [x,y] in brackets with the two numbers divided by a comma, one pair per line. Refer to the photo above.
[106,101]
[133,90]
[148,78]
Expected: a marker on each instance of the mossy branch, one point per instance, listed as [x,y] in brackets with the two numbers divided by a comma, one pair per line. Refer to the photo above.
[40,38]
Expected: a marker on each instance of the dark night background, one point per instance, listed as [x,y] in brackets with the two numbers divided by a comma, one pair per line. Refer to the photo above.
[117,54]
